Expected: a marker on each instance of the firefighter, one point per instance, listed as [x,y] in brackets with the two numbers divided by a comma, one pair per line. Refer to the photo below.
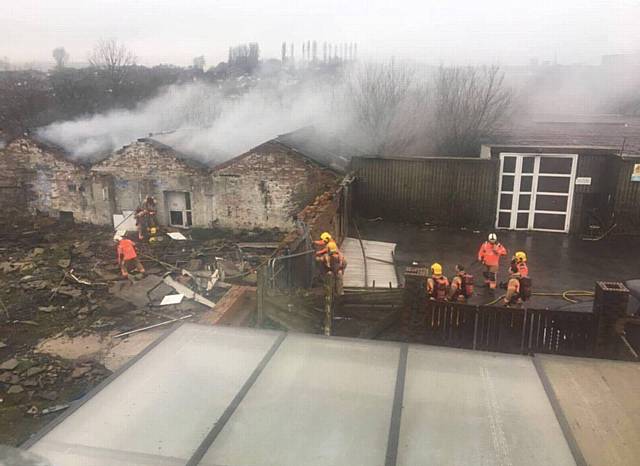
[489,256]
[126,252]
[461,285]
[519,284]
[338,264]
[322,255]
[146,219]
[437,284]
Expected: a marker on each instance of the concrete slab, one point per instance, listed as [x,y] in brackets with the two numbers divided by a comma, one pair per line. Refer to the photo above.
[136,292]
[599,402]
[557,261]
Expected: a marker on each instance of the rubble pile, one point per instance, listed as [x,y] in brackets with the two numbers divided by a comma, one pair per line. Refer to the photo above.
[62,281]
[33,386]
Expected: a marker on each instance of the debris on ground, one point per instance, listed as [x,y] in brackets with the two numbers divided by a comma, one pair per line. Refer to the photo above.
[63,301]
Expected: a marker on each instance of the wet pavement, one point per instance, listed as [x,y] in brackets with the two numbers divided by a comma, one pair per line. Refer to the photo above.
[557,262]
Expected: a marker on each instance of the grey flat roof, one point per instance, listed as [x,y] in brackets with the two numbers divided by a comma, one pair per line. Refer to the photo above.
[599,403]
[240,397]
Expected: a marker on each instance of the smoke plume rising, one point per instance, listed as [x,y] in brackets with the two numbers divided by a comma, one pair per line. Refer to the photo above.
[200,121]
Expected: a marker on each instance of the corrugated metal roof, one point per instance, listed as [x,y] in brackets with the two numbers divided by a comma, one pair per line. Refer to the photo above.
[381,270]
[619,133]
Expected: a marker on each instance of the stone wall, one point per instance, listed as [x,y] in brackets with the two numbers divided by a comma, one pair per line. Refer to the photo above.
[266,187]
[37,178]
[147,168]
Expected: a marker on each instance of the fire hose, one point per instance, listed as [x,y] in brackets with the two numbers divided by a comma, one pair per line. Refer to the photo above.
[567,295]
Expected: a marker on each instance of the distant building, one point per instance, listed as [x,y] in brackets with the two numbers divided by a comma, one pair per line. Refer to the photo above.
[558,174]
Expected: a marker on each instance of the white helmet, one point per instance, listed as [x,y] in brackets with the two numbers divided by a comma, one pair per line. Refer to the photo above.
[492,237]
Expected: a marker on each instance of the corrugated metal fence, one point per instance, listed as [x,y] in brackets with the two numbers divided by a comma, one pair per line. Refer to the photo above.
[627,199]
[450,191]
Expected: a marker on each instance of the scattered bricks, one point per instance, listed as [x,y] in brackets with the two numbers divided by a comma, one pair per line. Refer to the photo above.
[9,365]
[15,389]
[49,396]
[79,372]
[33,371]
[9,378]
[64,263]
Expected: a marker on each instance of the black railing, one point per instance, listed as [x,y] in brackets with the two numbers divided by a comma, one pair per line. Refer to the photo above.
[494,328]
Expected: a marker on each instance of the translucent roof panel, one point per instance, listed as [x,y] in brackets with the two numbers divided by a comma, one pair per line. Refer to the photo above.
[159,410]
[221,396]
[476,408]
[318,402]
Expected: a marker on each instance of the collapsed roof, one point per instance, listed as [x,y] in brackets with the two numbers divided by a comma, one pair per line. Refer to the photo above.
[326,150]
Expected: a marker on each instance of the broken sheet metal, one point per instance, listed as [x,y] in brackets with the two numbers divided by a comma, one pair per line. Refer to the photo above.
[188,292]
[380,267]
[171,299]
[176,235]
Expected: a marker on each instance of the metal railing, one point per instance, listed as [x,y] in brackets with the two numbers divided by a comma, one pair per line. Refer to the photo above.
[494,328]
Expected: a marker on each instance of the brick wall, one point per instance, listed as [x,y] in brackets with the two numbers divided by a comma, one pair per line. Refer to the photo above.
[266,187]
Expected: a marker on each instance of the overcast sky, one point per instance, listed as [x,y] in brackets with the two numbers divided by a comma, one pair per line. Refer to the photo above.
[437,31]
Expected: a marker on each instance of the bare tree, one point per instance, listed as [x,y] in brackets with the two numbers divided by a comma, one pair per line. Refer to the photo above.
[199,63]
[61,57]
[383,98]
[246,56]
[468,103]
[114,59]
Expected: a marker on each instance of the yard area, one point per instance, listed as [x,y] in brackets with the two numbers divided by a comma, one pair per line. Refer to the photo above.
[63,303]
[557,262]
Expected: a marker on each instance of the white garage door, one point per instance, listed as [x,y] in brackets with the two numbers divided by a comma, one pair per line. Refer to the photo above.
[536,191]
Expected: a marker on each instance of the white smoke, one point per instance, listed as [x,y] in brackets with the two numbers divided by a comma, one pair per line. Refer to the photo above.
[199,120]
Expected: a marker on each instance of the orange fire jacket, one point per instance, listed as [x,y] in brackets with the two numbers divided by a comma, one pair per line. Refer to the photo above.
[126,250]
[489,254]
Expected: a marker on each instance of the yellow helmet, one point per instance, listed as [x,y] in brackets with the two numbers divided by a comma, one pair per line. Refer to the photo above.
[520,256]
[436,269]
[326,237]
